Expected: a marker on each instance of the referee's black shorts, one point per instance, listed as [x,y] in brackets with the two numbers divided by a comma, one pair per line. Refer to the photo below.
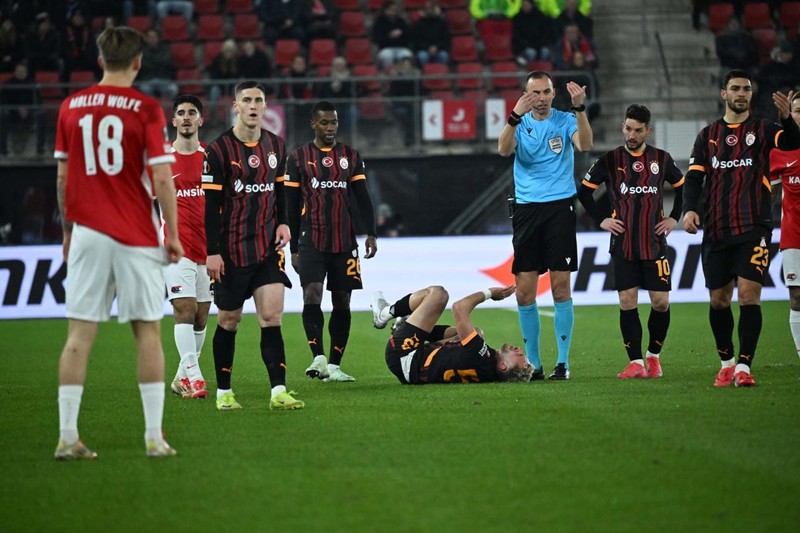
[545,237]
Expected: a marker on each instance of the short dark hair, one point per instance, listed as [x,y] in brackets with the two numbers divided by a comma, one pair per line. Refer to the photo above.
[735,73]
[538,75]
[639,113]
[324,105]
[249,84]
[187,99]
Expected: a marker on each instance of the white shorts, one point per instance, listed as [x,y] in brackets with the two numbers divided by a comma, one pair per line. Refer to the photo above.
[187,279]
[100,268]
[791,267]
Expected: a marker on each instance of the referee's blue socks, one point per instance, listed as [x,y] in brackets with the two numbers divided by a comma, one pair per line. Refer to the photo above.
[564,320]
[530,326]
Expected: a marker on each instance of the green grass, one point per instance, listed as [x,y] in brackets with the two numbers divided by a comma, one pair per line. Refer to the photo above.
[591,454]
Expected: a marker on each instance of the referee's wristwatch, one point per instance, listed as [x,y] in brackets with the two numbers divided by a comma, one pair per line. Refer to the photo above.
[579,109]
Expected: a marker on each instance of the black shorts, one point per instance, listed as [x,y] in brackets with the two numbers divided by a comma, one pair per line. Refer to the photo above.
[343,270]
[400,349]
[649,274]
[545,237]
[238,283]
[746,257]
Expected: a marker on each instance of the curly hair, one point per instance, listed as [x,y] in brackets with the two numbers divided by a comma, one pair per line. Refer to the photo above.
[517,375]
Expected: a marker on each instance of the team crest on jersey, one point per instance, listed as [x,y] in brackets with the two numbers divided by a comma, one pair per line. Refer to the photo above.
[750,138]
[176,289]
[731,140]
[272,160]
[763,242]
[344,163]
[327,161]
[638,166]
[654,167]
[556,144]
[254,161]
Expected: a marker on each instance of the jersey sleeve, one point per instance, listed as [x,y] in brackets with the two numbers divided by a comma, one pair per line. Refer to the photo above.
[159,149]
[280,171]
[699,156]
[359,168]
[571,125]
[597,173]
[674,175]
[212,178]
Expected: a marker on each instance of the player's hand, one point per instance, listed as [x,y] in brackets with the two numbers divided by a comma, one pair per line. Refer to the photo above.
[501,293]
[577,93]
[282,236]
[783,103]
[215,267]
[65,246]
[371,244]
[174,248]
[665,226]
[614,225]
[691,221]
[296,262]
[524,104]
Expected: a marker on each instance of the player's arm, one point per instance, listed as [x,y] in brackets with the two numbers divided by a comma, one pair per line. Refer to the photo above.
[676,179]
[693,184]
[165,194]
[294,201]
[583,139]
[507,143]
[361,193]
[282,233]
[61,193]
[597,174]
[463,307]
[212,188]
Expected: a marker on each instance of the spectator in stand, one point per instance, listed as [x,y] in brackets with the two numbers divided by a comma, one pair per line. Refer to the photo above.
[404,87]
[336,88]
[168,7]
[494,9]
[224,67]
[431,35]
[736,48]
[387,223]
[573,40]
[11,48]
[391,34]
[283,19]
[572,15]
[779,74]
[25,13]
[300,90]
[319,19]
[156,75]
[553,8]
[531,34]
[583,75]
[253,62]
[17,113]
[79,48]
[42,46]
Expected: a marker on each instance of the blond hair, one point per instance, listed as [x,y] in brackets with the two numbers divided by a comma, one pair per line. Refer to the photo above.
[119,46]
[518,375]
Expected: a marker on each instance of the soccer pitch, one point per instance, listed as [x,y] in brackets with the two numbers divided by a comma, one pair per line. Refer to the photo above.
[591,454]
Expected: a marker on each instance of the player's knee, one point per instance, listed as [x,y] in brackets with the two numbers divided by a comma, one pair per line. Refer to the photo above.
[720,301]
[229,321]
[660,304]
[794,298]
[438,296]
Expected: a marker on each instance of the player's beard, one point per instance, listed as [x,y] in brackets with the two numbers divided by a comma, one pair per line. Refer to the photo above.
[738,106]
[637,148]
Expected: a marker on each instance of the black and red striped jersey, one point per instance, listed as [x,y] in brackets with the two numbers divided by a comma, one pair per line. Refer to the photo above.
[634,182]
[243,184]
[735,161]
[467,361]
[324,178]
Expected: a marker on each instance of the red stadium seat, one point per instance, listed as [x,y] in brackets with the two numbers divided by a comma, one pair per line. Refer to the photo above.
[441,95]
[352,24]
[475,81]
[367,71]
[372,107]
[206,7]
[459,21]
[478,96]
[790,15]
[347,5]
[323,71]
[462,48]
[430,79]
[80,79]
[210,28]
[183,55]
[187,81]
[498,49]
[546,66]
[513,80]
[453,4]
[413,5]
[358,51]
[491,29]
[239,6]
[210,51]
[174,28]
[141,23]
[766,40]
[718,15]
[285,50]
[246,27]
[321,51]
[52,80]
[757,16]
[375,5]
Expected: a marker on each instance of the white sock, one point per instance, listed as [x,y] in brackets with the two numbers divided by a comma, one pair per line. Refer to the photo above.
[221,392]
[729,363]
[651,354]
[742,368]
[69,406]
[639,362]
[277,389]
[386,314]
[153,407]
[185,341]
[794,326]
[199,341]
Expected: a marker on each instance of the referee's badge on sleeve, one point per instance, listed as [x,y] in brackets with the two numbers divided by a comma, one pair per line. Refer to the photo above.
[556,144]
